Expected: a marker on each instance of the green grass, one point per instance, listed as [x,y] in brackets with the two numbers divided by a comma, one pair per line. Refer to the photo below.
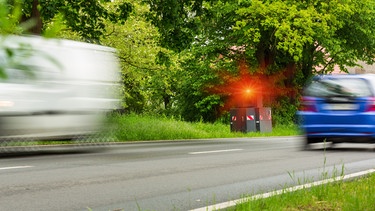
[135,128]
[357,194]
[132,127]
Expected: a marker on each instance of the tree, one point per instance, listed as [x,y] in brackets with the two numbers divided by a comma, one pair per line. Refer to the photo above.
[308,33]
[85,17]
[272,32]
[175,21]
[9,16]
[284,38]
[148,70]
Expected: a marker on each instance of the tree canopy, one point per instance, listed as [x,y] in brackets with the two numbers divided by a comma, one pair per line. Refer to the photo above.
[273,31]
[148,70]
[274,37]
[181,55]
[85,17]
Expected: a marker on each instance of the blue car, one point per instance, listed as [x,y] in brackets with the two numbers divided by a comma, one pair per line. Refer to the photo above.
[339,108]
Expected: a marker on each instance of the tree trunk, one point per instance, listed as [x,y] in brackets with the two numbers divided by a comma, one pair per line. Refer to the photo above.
[35,16]
[167,101]
[307,65]
[265,57]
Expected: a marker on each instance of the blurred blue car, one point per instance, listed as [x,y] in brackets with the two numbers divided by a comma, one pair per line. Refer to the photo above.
[338,108]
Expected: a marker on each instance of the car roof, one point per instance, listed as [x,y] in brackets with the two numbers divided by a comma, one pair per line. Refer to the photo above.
[369,79]
[332,76]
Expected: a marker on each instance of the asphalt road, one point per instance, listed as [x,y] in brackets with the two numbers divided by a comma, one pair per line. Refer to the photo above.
[175,175]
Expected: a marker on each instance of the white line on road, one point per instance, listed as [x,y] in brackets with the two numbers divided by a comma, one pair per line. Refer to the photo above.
[215,151]
[14,167]
[233,203]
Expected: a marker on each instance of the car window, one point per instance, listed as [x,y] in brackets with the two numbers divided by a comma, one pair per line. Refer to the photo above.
[347,87]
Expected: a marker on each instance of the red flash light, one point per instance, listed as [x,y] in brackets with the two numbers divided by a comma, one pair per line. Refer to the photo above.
[248,88]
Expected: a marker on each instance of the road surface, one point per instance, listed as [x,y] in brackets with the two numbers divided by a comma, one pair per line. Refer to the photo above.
[168,175]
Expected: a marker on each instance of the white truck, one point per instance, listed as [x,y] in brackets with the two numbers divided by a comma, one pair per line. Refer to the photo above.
[55,89]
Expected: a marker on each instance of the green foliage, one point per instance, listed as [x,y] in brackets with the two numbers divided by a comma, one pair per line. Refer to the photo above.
[172,52]
[87,18]
[305,32]
[148,70]
[175,20]
[272,37]
[193,101]
[284,110]
[10,57]
[9,16]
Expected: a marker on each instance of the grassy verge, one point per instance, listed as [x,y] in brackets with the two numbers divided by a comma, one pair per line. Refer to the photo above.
[354,195]
[125,128]
[135,127]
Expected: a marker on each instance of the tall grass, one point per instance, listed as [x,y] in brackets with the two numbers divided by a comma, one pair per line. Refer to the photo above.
[134,127]
[138,127]
[341,195]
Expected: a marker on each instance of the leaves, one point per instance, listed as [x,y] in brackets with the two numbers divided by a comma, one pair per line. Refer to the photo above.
[85,17]
[148,70]
[289,37]
[172,50]
[9,16]
[176,21]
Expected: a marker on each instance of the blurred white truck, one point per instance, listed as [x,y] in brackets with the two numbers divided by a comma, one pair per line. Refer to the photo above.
[55,89]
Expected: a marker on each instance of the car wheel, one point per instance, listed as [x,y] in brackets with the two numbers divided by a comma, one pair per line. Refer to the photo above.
[306,146]
[309,141]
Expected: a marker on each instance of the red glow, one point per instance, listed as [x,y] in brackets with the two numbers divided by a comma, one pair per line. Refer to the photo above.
[251,89]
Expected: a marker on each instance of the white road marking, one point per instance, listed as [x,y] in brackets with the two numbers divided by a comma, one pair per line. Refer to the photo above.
[215,151]
[233,203]
[14,167]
